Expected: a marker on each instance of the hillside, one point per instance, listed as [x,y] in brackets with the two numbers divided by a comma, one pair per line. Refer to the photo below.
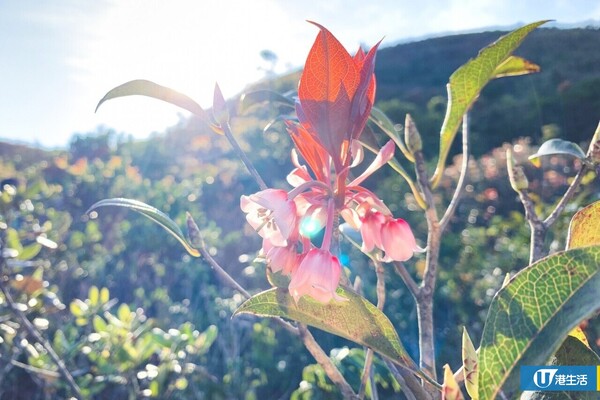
[189,168]
[566,92]
[563,99]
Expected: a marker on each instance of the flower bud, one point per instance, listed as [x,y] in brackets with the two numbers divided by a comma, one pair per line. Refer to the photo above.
[517,177]
[411,135]
[594,150]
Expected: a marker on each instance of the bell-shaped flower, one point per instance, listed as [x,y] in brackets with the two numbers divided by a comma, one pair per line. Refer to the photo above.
[397,240]
[272,214]
[317,276]
[370,230]
[284,259]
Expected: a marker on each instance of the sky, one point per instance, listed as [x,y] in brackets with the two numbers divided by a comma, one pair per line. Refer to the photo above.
[59,58]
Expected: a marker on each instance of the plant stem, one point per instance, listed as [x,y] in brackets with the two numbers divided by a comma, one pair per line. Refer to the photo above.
[323,359]
[464,167]
[302,331]
[408,280]
[249,166]
[566,197]
[425,294]
[537,227]
[32,330]
[366,374]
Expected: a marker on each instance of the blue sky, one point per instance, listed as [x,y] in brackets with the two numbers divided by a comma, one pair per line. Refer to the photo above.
[57,59]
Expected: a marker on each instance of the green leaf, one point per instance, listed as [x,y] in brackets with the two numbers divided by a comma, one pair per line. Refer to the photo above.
[78,308]
[93,295]
[355,319]
[146,88]
[124,314]
[530,317]
[104,295]
[515,66]
[99,324]
[380,119]
[256,97]
[29,251]
[13,241]
[574,352]
[154,214]
[467,82]
[557,147]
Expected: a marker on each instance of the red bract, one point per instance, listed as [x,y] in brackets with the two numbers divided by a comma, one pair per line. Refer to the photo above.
[336,93]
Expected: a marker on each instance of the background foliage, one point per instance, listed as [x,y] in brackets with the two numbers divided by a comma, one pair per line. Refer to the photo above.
[163,327]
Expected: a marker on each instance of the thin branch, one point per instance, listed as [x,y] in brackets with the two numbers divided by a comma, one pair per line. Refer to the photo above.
[424,296]
[222,273]
[32,330]
[538,230]
[463,174]
[410,283]
[366,374]
[249,166]
[566,197]
[309,341]
[324,361]
[408,380]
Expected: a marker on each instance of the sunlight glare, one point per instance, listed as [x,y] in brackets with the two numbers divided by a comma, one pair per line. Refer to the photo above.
[185,45]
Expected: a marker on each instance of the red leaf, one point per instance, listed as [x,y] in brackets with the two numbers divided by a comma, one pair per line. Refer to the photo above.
[310,149]
[365,92]
[326,89]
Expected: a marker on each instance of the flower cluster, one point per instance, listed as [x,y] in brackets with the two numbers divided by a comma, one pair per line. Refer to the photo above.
[335,96]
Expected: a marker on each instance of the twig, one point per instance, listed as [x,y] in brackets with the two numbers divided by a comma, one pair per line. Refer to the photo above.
[425,294]
[537,227]
[366,374]
[249,166]
[410,283]
[32,330]
[462,178]
[566,197]
[408,380]
[324,361]
[309,341]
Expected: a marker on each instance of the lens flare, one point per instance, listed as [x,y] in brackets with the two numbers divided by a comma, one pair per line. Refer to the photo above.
[309,227]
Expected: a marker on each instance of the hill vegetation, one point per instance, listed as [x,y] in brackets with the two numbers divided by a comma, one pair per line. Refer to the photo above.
[159,294]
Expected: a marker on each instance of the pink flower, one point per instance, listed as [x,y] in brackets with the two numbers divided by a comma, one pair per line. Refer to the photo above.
[272,214]
[397,240]
[317,276]
[370,230]
[284,259]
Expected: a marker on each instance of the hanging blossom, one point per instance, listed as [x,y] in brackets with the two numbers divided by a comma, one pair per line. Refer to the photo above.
[335,96]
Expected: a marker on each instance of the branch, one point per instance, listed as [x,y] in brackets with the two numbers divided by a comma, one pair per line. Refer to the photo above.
[424,296]
[32,330]
[538,230]
[410,283]
[309,341]
[408,380]
[324,361]
[463,174]
[566,197]
[366,374]
[249,166]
